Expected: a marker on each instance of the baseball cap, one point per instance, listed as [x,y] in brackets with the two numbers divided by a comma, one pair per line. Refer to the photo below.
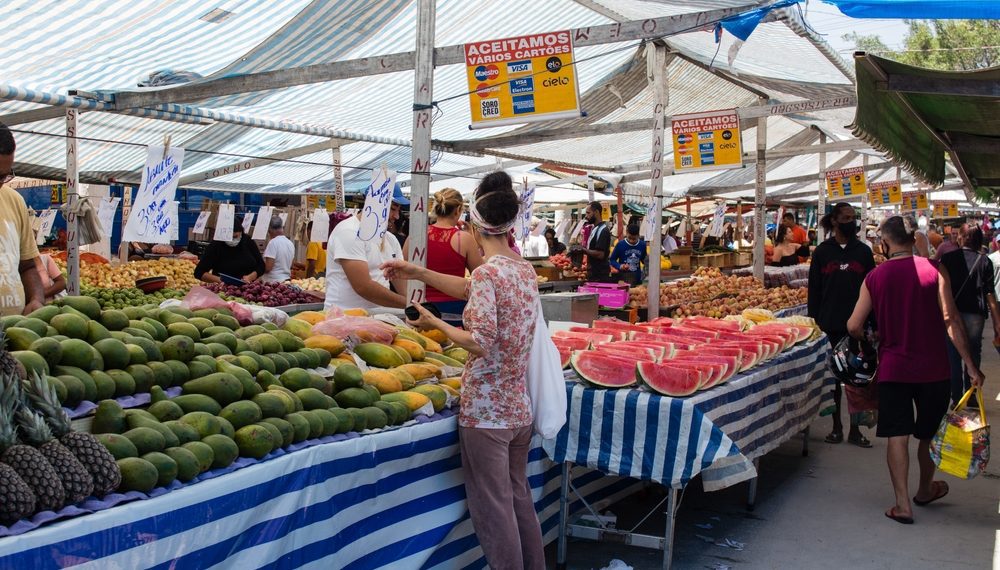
[397,196]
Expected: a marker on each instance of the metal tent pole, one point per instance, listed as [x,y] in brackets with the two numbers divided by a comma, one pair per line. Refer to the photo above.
[658,66]
[338,178]
[72,197]
[423,81]
[760,195]
[821,203]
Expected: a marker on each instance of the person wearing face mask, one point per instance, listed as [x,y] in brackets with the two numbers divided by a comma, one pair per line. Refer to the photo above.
[629,256]
[598,245]
[838,269]
[239,257]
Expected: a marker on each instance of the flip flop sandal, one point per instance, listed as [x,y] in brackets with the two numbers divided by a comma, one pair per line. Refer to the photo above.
[942,489]
[834,437]
[891,513]
[860,441]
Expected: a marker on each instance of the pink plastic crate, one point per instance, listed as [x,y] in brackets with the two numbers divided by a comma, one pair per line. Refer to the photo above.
[610,295]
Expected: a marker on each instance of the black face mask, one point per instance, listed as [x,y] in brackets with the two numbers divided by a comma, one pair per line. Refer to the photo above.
[849,229]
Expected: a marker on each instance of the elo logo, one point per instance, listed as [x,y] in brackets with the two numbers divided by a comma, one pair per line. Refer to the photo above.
[487,72]
[555,82]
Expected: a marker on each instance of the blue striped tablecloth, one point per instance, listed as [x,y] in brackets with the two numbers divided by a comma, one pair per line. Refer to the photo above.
[716,433]
[393,499]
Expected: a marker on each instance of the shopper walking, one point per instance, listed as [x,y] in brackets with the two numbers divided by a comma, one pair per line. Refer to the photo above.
[495,417]
[913,306]
[450,250]
[972,278]
[838,269]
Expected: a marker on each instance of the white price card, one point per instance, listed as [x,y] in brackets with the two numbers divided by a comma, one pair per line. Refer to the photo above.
[378,200]
[577,229]
[224,223]
[247,222]
[715,229]
[48,218]
[150,221]
[175,216]
[106,213]
[283,216]
[263,215]
[320,226]
[201,222]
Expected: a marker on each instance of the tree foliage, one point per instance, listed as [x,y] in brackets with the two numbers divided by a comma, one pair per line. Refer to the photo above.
[956,45]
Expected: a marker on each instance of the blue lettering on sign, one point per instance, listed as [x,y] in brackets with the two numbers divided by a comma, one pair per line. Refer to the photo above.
[523,104]
[707,159]
[706,147]
[481,73]
[519,67]
[706,136]
[523,85]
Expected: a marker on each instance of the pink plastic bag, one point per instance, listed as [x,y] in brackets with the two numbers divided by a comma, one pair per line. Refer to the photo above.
[364,328]
[201,298]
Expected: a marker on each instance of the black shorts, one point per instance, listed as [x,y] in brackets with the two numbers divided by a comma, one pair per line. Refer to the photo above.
[896,402]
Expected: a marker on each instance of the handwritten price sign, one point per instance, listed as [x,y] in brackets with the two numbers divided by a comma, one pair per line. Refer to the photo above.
[150,220]
[378,200]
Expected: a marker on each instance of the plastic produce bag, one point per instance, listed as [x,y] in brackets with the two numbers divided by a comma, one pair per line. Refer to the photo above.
[961,446]
[365,329]
[546,385]
[201,298]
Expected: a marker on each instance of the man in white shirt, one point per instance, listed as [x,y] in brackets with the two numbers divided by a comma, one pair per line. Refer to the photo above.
[279,253]
[995,258]
[536,245]
[353,277]
[670,242]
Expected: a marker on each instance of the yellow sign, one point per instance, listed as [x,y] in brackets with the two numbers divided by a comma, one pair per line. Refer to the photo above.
[881,193]
[707,141]
[845,182]
[606,212]
[945,209]
[58,193]
[522,79]
[915,201]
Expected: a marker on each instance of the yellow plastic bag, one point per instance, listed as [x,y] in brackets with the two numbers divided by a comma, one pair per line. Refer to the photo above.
[961,446]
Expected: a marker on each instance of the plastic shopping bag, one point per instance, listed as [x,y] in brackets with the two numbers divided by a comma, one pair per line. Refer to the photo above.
[546,386]
[961,446]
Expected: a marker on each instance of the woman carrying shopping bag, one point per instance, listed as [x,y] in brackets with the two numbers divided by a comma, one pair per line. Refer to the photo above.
[495,421]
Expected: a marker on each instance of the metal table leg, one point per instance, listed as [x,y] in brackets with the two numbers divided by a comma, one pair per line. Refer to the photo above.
[805,442]
[752,495]
[668,546]
[563,515]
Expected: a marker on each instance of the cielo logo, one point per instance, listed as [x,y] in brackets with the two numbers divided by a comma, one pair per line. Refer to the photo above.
[555,82]
[487,72]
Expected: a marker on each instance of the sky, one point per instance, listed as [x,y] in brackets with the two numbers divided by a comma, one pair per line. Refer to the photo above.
[827,20]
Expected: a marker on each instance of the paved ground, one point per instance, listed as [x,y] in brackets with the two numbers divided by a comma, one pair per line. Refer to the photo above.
[821,511]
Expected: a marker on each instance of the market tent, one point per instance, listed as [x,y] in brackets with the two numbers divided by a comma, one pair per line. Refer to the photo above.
[917,116]
[368,117]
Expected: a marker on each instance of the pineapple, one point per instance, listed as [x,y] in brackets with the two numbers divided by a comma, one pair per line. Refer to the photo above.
[8,364]
[76,480]
[95,457]
[17,500]
[26,461]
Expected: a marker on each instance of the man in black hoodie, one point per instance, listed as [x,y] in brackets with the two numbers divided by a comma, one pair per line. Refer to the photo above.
[839,266]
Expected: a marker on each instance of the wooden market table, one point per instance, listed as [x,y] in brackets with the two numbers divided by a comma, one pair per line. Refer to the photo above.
[718,434]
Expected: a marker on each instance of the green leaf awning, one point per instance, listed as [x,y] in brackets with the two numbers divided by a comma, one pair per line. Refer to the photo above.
[917,116]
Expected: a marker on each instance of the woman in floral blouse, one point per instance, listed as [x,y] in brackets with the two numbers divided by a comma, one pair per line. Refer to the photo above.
[495,417]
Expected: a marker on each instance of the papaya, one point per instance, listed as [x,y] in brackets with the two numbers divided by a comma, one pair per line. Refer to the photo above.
[437,395]
[413,400]
[299,328]
[420,370]
[242,413]
[20,338]
[222,387]
[311,317]
[455,383]
[458,353]
[410,334]
[47,348]
[32,362]
[329,343]
[378,355]
[403,355]
[385,382]
[406,380]
[444,360]
[415,350]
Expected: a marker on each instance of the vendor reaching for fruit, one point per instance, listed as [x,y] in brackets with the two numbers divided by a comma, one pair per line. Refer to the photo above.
[495,418]
[598,246]
[238,258]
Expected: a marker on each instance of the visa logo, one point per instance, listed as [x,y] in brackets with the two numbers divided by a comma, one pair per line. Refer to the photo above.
[519,67]
[706,136]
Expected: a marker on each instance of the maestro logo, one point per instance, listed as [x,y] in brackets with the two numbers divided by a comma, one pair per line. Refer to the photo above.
[487,72]
[684,138]
[726,135]
[553,64]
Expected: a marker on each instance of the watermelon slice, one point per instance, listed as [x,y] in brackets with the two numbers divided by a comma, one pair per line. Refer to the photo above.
[732,355]
[724,367]
[603,370]
[751,352]
[564,355]
[799,332]
[591,337]
[695,333]
[615,334]
[662,322]
[711,324]
[633,353]
[669,380]
[710,372]
[661,349]
[681,343]
[571,343]
[777,343]
[784,335]
[606,325]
